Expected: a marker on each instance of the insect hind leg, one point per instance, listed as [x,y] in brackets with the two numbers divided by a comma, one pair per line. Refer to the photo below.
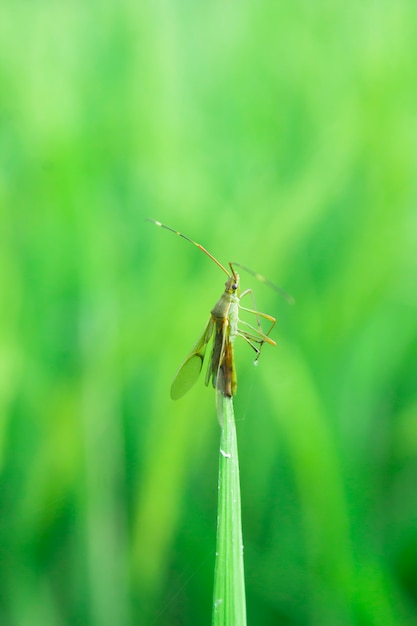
[258,315]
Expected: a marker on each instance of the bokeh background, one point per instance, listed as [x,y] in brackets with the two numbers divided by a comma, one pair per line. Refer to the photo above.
[282,135]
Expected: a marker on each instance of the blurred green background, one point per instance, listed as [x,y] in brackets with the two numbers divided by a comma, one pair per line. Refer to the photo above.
[280,135]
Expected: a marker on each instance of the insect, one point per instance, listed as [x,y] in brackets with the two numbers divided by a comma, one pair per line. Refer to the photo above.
[224,325]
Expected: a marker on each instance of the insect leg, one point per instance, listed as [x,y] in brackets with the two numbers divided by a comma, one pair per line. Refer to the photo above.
[257,313]
[263,337]
[260,336]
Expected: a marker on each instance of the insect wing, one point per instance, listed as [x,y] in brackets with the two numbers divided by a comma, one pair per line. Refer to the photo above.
[189,371]
[227,380]
[222,365]
[216,355]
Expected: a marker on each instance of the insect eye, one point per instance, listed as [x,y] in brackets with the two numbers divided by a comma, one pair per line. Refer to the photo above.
[234,286]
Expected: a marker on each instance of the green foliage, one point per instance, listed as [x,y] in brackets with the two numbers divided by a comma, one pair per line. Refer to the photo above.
[279,135]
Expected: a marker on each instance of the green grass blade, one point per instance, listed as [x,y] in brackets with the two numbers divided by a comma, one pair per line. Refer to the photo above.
[229,603]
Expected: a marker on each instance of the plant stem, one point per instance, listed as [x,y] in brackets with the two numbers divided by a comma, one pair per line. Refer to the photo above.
[229,603]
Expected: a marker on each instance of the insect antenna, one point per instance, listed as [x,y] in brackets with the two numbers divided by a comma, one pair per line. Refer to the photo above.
[270,284]
[198,245]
